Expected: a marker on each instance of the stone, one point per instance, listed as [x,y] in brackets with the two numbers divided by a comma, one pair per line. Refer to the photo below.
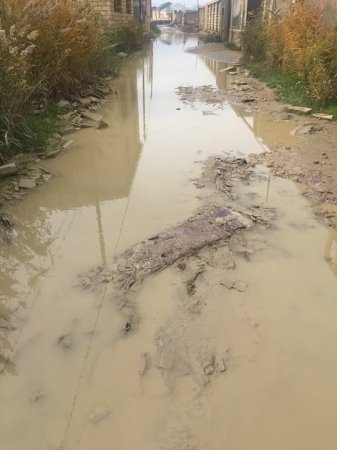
[227,283]
[8,169]
[37,396]
[27,183]
[100,413]
[101,124]
[220,364]
[122,54]
[240,83]
[240,286]
[68,143]
[228,69]
[85,101]
[323,116]
[63,103]
[209,369]
[53,153]
[316,161]
[298,110]
[67,130]
[91,116]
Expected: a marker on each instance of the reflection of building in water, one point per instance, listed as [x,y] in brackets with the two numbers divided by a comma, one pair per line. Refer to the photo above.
[222,81]
[268,131]
[99,168]
[330,251]
[106,165]
[173,37]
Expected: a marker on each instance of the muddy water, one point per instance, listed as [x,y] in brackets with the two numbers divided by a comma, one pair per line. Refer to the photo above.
[74,381]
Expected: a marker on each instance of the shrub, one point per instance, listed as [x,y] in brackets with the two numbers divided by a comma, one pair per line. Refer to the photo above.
[299,43]
[253,38]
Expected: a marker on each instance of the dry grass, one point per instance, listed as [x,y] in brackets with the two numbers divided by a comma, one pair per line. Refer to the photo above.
[299,43]
[48,50]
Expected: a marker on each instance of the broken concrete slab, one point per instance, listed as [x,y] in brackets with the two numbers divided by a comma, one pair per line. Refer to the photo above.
[323,116]
[27,183]
[99,413]
[53,153]
[68,144]
[85,101]
[298,110]
[92,116]
[101,124]
[238,285]
[227,283]
[228,69]
[8,169]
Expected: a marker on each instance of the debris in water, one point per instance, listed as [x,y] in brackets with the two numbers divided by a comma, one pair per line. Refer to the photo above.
[65,341]
[127,327]
[8,169]
[37,396]
[27,183]
[238,285]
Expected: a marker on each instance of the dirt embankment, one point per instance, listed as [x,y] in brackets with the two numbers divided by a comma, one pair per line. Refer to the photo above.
[311,162]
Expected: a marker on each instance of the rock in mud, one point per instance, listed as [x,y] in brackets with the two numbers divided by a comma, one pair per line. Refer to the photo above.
[238,285]
[37,396]
[299,110]
[100,413]
[63,104]
[27,183]
[65,341]
[324,116]
[8,169]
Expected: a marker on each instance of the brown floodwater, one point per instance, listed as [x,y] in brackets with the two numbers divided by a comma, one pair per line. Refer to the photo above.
[121,185]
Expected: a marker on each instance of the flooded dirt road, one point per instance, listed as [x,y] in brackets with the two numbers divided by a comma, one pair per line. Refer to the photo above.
[232,347]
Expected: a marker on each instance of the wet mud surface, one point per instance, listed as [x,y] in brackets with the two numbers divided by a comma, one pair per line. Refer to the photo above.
[166,290]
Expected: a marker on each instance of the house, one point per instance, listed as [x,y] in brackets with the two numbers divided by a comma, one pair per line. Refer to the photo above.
[119,13]
[162,13]
[227,18]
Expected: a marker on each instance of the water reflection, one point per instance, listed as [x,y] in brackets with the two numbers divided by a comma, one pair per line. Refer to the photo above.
[222,81]
[98,170]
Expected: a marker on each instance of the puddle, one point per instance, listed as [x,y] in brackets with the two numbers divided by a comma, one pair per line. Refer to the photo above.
[68,387]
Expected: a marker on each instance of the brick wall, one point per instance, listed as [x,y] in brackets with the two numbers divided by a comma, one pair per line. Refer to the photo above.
[116,13]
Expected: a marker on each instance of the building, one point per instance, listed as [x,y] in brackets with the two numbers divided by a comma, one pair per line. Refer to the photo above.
[227,18]
[119,13]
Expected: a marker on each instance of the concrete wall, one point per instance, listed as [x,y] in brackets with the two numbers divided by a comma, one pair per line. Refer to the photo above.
[120,13]
[116,13]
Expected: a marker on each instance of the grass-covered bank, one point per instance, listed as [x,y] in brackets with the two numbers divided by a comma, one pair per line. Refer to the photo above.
[50,49]
[296,54]
[291,88]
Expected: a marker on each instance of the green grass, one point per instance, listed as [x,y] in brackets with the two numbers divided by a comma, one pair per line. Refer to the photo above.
[32,133]
[291,89]
[232,46]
